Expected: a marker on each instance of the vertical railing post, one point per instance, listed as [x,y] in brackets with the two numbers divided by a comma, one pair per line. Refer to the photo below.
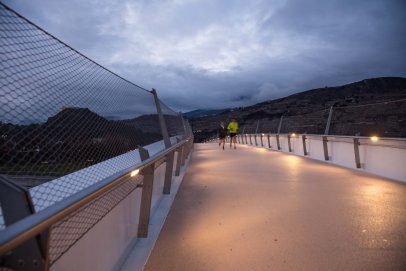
[330,114]
[262,141]
[278,144]
[304,145]
[325,148]
[168,172]
[256,129]
[289,144]
[185,130]
[167,142]
[146,197]
[184,153]
[255,137]
[250,140]
[246,139]
[178,159]
[269,141]
[280,125]
[162,122]
[17,204]
[356,153]
[278,133]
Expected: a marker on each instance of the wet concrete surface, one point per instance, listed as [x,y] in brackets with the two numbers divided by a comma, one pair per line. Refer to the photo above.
[255,209]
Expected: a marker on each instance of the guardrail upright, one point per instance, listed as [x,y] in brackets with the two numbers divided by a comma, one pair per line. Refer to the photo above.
[356,153]
[179,158]
[17,204]
[167,142]
[269,141]
[277,135]
[304,145]
[146,196]
[278,144]
[289,143]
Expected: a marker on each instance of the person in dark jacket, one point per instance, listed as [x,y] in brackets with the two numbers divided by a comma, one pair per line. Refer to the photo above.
[222,132]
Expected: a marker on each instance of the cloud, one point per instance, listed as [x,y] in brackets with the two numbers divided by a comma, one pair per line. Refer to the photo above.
[217,54]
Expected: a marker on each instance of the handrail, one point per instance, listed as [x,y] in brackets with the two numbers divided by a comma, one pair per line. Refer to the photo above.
[339,136]
[28,227]
[319,138]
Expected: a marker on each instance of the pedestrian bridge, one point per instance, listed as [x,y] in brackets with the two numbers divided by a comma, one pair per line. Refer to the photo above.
[250,208]
[255,209]
[97,173]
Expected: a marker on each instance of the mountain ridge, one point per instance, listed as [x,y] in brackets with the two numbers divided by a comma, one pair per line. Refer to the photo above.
[367,91]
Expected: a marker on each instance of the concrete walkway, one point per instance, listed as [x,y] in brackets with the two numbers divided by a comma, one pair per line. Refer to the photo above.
[255,209]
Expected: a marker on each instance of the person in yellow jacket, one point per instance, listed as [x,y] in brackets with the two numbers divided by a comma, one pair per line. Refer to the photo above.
[233,129]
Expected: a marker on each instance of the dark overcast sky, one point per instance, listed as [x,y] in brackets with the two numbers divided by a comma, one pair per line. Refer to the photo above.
[218,54]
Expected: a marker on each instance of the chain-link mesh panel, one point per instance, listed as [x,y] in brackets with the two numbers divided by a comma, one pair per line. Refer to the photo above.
[2,223]
[173,120]
[66,232]
[51,192]
[60,111]
[259,126]
[311,123]
[382,119]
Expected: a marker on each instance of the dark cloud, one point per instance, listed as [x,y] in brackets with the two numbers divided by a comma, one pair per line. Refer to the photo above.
[218,54]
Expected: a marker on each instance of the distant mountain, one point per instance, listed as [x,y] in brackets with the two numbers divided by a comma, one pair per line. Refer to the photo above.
[72,139]
[202,113]
[150,124]
[307,112]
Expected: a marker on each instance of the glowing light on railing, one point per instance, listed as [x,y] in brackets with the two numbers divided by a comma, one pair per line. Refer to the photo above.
[374,138]
[293,134]
[263,134]
[134,172]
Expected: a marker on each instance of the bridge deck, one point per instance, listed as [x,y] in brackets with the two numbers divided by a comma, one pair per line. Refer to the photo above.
[255,209]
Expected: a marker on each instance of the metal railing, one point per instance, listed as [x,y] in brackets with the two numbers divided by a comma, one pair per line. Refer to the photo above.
[75,141]
[381,156]
[36,224]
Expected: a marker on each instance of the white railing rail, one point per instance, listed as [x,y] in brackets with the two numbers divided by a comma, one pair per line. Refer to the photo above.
[40,225]
[381,156]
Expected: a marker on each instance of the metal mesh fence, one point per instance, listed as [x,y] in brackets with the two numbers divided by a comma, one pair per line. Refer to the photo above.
[260,126]
[387,119]
[311,123]
[66,123]
[174,120]
[69,230]
[2,224]
[60,111]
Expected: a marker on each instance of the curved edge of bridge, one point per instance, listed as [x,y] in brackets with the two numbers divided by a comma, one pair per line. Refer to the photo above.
[135,258]
[282,212]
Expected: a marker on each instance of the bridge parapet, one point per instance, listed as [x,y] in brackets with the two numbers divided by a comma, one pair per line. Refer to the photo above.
[381,156]
[79,145]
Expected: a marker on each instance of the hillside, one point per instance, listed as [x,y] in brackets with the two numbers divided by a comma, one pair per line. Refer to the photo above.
[307,112]
[199,113]
[72,139]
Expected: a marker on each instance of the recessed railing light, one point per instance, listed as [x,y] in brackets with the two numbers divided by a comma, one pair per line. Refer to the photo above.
[134,172]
